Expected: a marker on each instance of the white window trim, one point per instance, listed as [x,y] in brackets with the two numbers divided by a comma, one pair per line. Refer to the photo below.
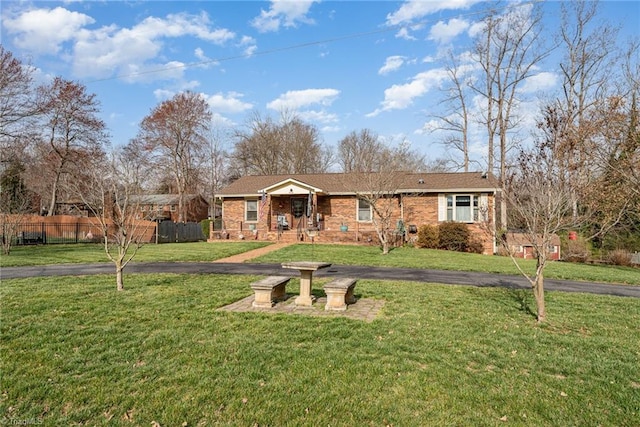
[358,211]
[483,204]
[246,210]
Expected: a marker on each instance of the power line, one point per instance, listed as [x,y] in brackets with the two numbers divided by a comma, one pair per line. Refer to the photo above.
[291,47]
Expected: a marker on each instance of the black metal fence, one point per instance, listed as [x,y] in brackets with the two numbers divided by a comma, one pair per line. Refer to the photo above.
[46,234]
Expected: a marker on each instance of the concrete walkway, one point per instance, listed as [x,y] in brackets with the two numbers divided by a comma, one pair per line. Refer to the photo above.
[245,256]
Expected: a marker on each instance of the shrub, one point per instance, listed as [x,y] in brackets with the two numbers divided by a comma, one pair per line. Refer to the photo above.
[205,223]
[576,250]
[475,245]
[428,237]
[620,257]
[453,236]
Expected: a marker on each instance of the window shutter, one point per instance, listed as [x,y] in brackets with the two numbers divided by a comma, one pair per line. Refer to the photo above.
[442,207]
[483,204]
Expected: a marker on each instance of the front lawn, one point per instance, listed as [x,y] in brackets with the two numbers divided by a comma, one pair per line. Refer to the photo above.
[409,257]
[93,253]
[76,352]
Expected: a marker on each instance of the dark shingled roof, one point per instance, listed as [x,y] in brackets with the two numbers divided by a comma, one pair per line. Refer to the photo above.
[339,183]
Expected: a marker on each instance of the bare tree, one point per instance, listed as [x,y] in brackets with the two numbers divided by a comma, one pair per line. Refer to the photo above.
[378,183]
[267,147]
[114,194]
[15,201]
[17,107]
[71,131]
[507,50]
[366,151]
[216,169]
[175,133]
[456,120]
[539,195]
[360,152]
[587,65]
[17,115]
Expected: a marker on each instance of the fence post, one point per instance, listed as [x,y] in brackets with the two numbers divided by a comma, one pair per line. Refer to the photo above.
[43,233]
[77,230]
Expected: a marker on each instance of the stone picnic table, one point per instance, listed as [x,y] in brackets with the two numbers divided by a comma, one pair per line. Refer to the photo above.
[306,269]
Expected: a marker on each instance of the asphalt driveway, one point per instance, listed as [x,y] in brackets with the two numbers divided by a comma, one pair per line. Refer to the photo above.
[363,272]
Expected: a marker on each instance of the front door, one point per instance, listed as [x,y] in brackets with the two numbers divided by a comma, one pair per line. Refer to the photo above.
[298,207]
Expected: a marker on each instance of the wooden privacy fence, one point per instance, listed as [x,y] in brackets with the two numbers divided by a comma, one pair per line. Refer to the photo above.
[32,230]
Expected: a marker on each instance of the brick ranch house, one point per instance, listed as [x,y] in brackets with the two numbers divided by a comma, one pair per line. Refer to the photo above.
[326,208]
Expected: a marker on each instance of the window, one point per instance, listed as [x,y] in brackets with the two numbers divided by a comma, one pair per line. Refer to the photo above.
[251,210]
[173,208]
[364,210]
[462,207]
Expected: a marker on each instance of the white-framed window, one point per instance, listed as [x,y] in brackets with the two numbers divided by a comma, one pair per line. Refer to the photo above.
[553,249]
[462,207]
[173,208]
[251,210]
[364,210]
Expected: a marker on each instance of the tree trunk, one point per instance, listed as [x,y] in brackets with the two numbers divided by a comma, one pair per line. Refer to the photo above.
[385,247]
[119,277]
[538,292]
[54,195]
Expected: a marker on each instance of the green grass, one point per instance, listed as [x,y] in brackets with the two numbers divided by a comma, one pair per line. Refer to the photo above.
[337,254]
[76,352]
[92,253]
[409,257]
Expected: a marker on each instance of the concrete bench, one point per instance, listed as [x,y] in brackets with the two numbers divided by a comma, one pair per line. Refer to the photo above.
[339,293]
[269,290]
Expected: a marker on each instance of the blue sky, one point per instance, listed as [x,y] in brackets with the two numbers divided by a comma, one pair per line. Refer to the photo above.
[342,66]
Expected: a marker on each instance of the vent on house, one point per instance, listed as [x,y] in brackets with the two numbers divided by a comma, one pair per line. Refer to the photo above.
[421,181]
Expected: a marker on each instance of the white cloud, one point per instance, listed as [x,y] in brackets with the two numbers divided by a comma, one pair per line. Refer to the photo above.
[163,94]
[227,103]
[444,32]
[318,116]
[285,13]
[300,98]
[181,24]
[541,81]
[413,10]
[44,30]
[109,50]
[249,44]
[399,97]
[393,63]
[131,50]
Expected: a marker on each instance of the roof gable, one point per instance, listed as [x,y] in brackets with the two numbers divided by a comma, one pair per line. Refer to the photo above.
[290,186]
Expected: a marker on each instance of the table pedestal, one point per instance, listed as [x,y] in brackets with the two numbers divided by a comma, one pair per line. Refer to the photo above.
[304,299]
[306,269]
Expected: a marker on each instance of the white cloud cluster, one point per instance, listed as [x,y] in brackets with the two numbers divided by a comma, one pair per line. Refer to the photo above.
[413,10]
[295,99]
[443,32]
[109,50]
[284,13]
[298,100]
[401,96]
[391,64]
[44,30]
